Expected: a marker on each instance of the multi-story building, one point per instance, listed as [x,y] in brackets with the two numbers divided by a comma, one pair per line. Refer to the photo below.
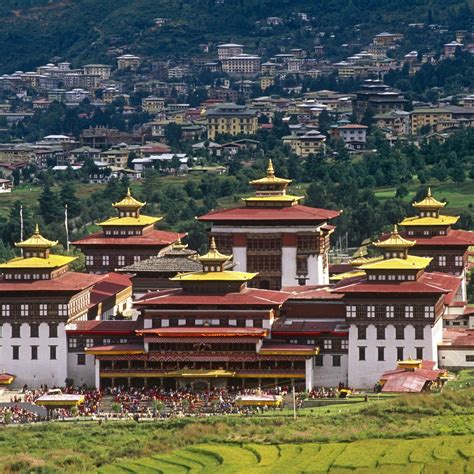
[394,311]
[129,61]
[451,48]
[396,122]
[153,105]
[377,98]
[211,331]
[242,65]
[428,118]
[434,237]
[231,119]
[229,50]
[125,239]
[387,39]
[38,297]
[307,143]
[353,135]
[285,242]
[101,70]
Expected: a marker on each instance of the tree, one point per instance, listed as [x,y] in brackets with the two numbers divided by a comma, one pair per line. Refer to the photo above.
[68,196]
[50,207]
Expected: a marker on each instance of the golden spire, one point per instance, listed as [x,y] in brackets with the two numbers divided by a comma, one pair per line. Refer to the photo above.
[270,170]
[429,203]
[395,241]
[36,241]
[213,255]
[178,245]
[129,202]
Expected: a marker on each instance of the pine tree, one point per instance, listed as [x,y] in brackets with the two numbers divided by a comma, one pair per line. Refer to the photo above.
[50,207]
[68,196]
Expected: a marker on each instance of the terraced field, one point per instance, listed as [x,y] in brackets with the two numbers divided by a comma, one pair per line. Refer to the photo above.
[444,454]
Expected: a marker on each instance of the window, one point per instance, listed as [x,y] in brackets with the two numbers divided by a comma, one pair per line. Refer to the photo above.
[89,260]
[121,260]
[408,311]
[389,311]
[5,310]
[362,352]
[400,332]
[34,352]
[345,344]
[43,310]
[89,342]
[442,260]
[419,352]
[361,332]
[15,352]
[81,359]
[16,330]
[380,332]
[318,361]
[327,344]
[72,343]
[380,353]
[34,330]
[24,310]
[63,309]
[336,361]
[458,261]
[429,311]
[53,330]
[52,352]
[470,358]
[399,353]
[351,311]
[105,260]
[371,311]
[419,332]
[136,258]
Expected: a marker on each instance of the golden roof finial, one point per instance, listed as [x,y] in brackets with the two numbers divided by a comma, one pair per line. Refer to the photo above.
[129,202]
[214,256]
[178,245]
[429,203]
[270,169]
[395,241]
[36,241]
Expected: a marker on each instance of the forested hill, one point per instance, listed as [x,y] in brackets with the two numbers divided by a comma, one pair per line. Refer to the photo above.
[34,31]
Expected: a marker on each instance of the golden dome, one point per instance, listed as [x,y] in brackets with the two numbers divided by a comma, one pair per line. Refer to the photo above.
[429,203]
[129,202]
[36,241]
[214,256]
[395,241]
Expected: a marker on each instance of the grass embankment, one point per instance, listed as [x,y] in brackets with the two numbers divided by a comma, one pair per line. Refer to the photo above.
[87,446]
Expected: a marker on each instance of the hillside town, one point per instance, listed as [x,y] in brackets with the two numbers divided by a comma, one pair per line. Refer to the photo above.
[265,302]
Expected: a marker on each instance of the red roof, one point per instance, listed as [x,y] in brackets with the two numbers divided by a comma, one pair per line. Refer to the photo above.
[103,327]
[70,281]
[154,238]
[455,238]
[404,380]
[310,328]
[352,125]
[292,213]
[247,297]
[111,285]
[204,332]
[311,292]
[116,348]
[432,283]
[457,338]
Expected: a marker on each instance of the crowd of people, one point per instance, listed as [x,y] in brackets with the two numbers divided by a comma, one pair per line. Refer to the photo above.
[121,402]
[321,392]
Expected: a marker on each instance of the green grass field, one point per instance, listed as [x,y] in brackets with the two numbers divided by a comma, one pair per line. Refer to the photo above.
[443,454]
[411,433]
[458,196]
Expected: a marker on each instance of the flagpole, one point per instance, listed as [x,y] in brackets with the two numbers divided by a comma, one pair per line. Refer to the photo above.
[66,226]
[21,227]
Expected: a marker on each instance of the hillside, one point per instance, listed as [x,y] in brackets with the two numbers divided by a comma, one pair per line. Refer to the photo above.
[34,31]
